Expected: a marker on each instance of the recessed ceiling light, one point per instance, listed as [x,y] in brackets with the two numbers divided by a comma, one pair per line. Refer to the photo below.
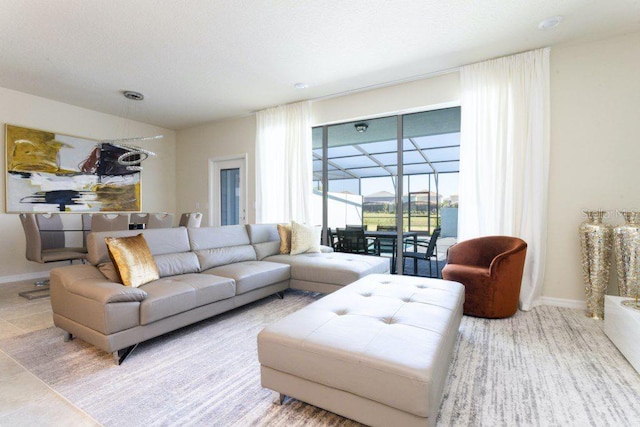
[133,95]
[301,85]
[550,23]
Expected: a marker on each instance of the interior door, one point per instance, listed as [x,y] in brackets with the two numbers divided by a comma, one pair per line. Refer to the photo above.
[228,191]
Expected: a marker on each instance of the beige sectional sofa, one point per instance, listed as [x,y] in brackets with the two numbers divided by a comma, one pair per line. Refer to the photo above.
[203,272]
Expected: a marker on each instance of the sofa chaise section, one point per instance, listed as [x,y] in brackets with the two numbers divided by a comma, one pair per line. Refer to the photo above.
[324,272]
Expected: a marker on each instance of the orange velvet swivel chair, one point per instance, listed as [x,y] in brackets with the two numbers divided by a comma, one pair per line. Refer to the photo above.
[490,268]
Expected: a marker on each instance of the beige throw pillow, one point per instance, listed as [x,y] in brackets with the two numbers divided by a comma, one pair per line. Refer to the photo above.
[109,271]
[132,259]
[284,231]
[304,238]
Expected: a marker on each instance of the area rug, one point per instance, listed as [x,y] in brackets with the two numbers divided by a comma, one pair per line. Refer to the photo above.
[549,366]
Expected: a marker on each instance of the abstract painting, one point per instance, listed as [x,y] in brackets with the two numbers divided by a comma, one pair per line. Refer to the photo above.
[52,172]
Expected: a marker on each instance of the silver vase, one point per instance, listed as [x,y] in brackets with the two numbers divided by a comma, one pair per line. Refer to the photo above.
[595,241]
[626,246]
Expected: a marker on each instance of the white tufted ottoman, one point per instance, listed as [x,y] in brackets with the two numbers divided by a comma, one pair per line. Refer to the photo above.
[376,351]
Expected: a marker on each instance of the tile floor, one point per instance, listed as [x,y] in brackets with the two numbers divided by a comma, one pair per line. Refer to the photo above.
[24,399]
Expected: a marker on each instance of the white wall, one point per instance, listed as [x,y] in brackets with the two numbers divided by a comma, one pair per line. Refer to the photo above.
[435,92]
[158,176]
[199,144]
[595,148]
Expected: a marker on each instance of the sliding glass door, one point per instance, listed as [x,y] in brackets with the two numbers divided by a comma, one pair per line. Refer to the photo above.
[383,175]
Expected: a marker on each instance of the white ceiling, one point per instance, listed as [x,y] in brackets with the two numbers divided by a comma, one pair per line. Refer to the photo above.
[201,60]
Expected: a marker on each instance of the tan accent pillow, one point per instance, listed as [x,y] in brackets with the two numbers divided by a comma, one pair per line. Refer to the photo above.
[109,271]
[304,238]
[133,260]
[284,230]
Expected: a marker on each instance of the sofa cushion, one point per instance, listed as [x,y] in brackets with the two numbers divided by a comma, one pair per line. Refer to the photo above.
[168,265]
[109,271]
[252,275]
[337,267]
[265,239]
[176,294]
[261,233]
[218,237]
[217,246]
[160,241]
[177,263]
[266,249]
[209,258]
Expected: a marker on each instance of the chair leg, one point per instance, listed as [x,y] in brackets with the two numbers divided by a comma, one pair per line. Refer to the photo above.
[430,269]
[415,266]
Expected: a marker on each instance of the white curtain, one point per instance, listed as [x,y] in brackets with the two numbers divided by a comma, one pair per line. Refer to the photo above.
[504,157]
[283,164]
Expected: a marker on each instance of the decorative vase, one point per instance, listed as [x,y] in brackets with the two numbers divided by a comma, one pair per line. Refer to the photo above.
[626,244]
[595,241]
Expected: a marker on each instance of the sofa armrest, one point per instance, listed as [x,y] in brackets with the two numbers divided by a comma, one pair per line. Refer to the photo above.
[325,249]
[87,281]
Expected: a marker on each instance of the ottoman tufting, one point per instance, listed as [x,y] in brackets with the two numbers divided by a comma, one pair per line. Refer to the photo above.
[376,351]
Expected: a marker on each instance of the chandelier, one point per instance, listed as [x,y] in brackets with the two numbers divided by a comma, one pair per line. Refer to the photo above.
[132,155]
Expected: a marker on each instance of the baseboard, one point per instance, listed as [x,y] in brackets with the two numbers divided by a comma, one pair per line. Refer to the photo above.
[26,276]
[563,302]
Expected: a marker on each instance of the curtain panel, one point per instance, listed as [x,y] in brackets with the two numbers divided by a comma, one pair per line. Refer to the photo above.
[283,164]
[504,157]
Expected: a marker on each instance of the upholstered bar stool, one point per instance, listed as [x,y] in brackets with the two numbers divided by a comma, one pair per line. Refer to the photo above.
[45,245]
[138,220]
[190,220]
[109,222]
[160,220]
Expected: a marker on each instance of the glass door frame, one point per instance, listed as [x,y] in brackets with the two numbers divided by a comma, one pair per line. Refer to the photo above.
[399,190]
[216,164]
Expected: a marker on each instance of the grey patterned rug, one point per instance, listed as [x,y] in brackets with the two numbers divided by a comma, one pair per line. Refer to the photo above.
[550,366]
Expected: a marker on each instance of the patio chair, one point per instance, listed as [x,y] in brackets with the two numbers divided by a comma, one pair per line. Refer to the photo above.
[431,252]
[354,241]
[332,239]
[388,244]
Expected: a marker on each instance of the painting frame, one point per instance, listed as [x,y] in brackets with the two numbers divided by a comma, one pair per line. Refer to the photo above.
[57,172]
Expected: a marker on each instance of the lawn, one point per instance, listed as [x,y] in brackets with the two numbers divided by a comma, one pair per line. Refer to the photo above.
[418,223]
